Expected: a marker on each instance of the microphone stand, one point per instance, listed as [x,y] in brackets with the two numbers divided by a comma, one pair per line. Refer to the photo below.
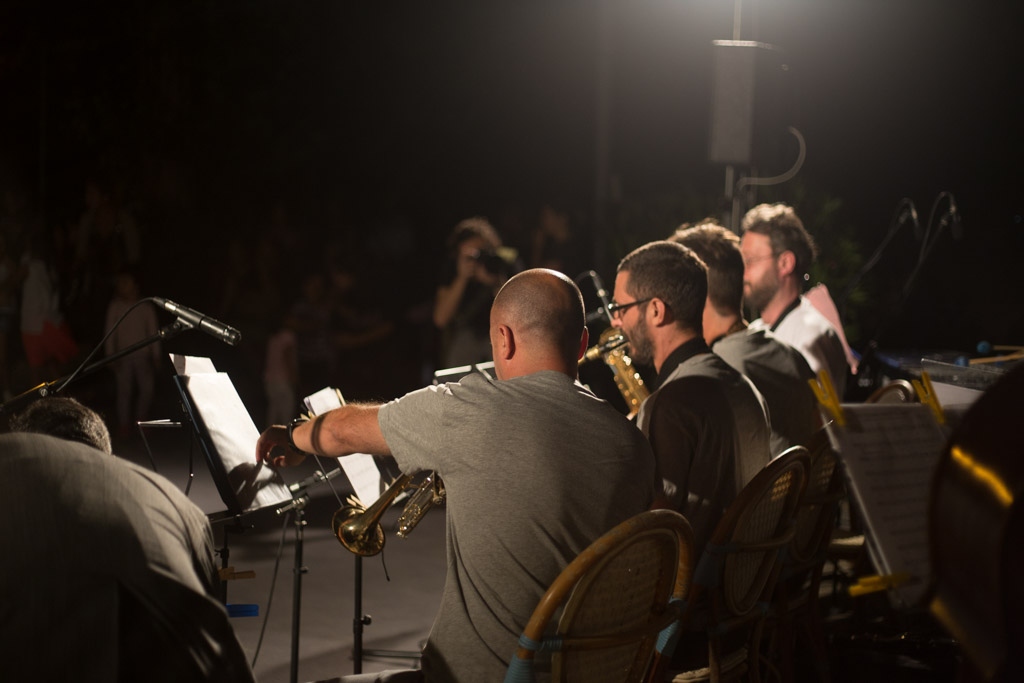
[300,499]
[928,242]
[56,386]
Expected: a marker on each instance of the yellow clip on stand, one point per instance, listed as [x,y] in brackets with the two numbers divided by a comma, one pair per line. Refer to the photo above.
[875,584]
[927,395]
[826,393]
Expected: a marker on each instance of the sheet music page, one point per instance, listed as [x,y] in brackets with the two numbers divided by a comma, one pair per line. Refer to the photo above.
[234,437]
[360,468]
[890,452]
[191,365]
[325,400]
[364,475]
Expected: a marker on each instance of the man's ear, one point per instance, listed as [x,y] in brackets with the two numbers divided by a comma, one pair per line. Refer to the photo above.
[658,313]
[786,263]
[584,343]
[507,342]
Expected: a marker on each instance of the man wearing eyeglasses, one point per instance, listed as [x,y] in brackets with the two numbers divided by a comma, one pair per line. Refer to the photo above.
[706,422]
[777,253]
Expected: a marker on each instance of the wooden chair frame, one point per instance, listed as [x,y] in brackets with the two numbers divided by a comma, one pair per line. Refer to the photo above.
[616,571]
[727,595]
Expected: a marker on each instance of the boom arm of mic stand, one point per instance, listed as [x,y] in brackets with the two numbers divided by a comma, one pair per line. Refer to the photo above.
[56,386]
[602,294]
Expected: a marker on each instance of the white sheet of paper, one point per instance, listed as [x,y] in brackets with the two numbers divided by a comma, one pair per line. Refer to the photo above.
[952,395]
[234,437]
[364,475]
[191,365]
[323,401]
[890,452]
[360,468]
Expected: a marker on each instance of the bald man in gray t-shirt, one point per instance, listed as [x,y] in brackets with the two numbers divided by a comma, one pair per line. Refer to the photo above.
[535,467]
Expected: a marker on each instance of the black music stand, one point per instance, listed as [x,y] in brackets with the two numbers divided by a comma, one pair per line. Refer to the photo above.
[226,435]
[322,401]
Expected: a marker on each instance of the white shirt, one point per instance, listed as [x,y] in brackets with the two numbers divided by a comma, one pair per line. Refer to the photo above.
[806,329]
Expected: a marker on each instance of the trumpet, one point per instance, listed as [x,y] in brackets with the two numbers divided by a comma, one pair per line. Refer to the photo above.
[611,347]
[358,528]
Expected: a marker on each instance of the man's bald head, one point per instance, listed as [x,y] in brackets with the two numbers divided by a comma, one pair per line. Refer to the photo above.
[545,310]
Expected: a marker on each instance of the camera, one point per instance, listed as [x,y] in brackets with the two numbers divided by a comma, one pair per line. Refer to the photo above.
[492,261]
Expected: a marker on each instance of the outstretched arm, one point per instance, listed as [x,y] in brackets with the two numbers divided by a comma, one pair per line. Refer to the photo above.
[349,429]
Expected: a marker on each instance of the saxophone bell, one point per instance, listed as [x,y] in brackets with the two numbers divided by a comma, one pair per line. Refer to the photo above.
[611,347]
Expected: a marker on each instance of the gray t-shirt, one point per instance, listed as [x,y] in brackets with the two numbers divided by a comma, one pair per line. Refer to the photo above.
[781,374]
[536,468]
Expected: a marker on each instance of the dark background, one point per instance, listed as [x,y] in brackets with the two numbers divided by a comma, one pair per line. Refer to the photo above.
[359,134]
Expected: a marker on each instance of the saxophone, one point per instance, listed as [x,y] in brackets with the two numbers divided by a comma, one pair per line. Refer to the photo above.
[611,346]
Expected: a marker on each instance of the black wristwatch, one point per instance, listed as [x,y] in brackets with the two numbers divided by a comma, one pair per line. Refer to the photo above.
[291,439]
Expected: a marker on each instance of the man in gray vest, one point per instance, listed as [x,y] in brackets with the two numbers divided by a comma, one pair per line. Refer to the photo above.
[706,422]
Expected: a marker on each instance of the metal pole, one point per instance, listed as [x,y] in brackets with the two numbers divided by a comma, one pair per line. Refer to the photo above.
[602,142]
[357,622]
[299,570]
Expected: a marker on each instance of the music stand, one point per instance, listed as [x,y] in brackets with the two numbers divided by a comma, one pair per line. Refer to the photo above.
[227,437]
[364,476]
[458,373]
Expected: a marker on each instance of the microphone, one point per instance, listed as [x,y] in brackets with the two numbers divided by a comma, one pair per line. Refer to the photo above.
[956,227]
[909,212]
[225,333]
[602,294]
[598,350]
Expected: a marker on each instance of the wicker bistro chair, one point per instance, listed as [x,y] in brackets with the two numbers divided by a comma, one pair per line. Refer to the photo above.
[896,391]
[795,602]
[737,572]
[616,597]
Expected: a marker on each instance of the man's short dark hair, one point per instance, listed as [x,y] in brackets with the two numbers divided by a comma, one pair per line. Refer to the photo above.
[549,304]
[785,232]
[65,418]
[674,274]
[719,249]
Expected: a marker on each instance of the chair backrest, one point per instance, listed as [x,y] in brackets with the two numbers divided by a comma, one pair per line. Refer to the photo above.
[897,391]
[815,515]
[740,561]
[616,597]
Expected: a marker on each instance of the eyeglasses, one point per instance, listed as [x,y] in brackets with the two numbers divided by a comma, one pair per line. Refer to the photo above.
[747,262]
[616,309]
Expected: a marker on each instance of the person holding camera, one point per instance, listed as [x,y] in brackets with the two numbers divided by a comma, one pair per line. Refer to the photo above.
[476,268]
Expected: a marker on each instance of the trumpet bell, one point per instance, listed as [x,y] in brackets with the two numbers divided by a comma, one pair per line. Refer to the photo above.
[353,533]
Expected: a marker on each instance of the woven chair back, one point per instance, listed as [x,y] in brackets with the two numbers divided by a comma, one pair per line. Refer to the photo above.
[815,516]
[755,526]
[615,598]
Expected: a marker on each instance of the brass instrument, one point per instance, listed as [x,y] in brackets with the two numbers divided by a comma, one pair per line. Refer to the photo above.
[358,528]
[611,347]
[429,493]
